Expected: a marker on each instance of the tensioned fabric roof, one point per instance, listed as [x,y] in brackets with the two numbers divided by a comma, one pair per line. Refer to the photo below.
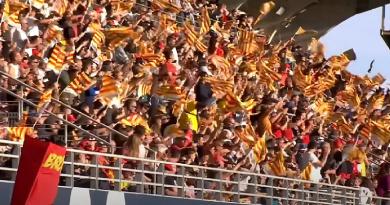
[318,15]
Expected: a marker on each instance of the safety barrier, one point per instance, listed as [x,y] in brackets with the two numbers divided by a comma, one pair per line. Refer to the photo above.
[84,169]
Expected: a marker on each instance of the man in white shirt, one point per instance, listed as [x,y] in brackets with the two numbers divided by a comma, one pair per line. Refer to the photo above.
[19,35]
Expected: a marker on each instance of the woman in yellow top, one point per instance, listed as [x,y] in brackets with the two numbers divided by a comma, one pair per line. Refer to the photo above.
[358,154]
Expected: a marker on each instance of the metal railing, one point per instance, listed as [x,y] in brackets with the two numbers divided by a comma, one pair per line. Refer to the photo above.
[84,169]
[56,101]
[55,116]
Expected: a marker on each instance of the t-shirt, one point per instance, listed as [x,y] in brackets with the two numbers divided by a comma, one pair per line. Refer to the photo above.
[14,70]
[306,139]
[316,173]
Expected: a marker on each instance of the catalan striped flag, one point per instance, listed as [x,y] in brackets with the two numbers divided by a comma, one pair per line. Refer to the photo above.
[222,65]
[205,23]
[344,127]
[166,5]
[109,173]
[114,36]
[366,131]
[81,83]
[193,39]
[306,173]
[144,89]
[12,11]
[350,95]
[152,60]
[165,21]
[122,5]
[53,32]
[108,87]
[378,79]
[301,81]
[376,102]
[273,75]
[246,40]
[98,38]
[57,58]
[18,134]
[260,150]
[277,165]
[44,99]
[103,56]
[322,107]
[60,6]
[234,103]
[38,3]
[170,92]
[219,87]
[135,120]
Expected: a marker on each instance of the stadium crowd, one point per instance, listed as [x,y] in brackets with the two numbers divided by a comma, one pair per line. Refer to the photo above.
[190,81]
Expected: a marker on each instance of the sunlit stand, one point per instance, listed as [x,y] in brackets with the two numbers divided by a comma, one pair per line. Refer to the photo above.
[385,33]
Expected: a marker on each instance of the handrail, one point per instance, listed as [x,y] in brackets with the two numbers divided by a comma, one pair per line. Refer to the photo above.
[191,166]
[55,116]
[328,193]
[65,105]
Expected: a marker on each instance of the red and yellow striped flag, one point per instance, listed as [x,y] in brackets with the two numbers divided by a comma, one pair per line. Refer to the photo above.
[135,120]
[109,88]
[81,83]
[260,150]
[205,23]
[306,173]
[53,32]
[12,11]
[234,103]
[166,5]
[122,5]
[38,3]
[219,87]
[152,60]
[57,58]
[365,131]
[44,99]
[193,39]
[322,107]
[245,136]
[170,92]
[277,165]
[222,65]
[246,40]
[60,6]
[114,36]
[378,79]
[144,89]
[18,134]
[98,38]
[61,54]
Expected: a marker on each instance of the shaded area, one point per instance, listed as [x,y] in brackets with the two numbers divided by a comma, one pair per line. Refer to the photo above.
[319,15]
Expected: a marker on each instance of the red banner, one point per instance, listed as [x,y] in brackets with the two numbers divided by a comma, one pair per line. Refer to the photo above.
[38,173]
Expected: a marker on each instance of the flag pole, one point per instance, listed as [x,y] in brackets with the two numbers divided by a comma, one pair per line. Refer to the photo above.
[40,114]
[272,36]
